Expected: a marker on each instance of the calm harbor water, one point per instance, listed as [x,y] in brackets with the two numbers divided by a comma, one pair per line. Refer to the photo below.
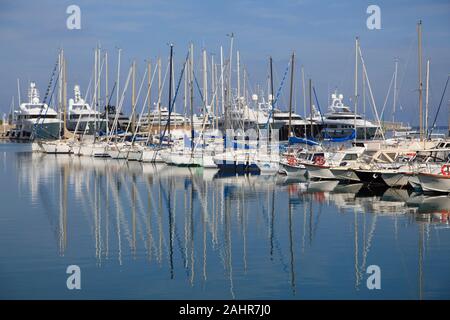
[157,232]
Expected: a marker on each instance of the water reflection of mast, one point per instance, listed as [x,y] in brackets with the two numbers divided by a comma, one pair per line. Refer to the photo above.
[421,243]
[310,219]
[304,223]
[170,229]
[186,228]
[291,248]
[107,214]
[367,242]
[150,204]
[133,214]
[355,225]
[244,235]
[120,220]
[272,219]
[227,230]
[137,203]
[63,211]
[204,222]
[191,229]
[97,219]
[160,231]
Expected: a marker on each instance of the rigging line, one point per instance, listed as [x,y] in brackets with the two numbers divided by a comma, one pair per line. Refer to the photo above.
[143,105]
[173,100]
[278,94]
[94,95]
[276,242]
[158,102]
[387,96]
[204,118]
[119,107]
[347,68]
[282,95]
[40,112]
[134,107]
[403,75]
[317,101]
[439,108]
[171,211]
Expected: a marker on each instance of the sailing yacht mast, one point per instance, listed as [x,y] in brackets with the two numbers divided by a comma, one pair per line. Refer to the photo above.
[60,88]
[222,89]
[159,93]
[310,106]
[64,99]
[191,87]
[205,81]
[238,63]
[99,77]
[216,100]
[185,98]
[356,85]
[426,96]
[370,92]
[149,91]
[133,98]
[244,91]
[18,91]
[271,99]
[290,95]
[213,87]
[106,92]
[118,78]
[419,35]
[395,92]
[170,88]
[304,98]
[230,68]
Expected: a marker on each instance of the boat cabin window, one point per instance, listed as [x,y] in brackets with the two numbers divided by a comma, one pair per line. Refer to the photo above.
[386,157]
[317,155]
[302,155]
[350,156]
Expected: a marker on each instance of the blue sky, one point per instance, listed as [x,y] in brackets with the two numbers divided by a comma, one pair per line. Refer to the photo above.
[320,32]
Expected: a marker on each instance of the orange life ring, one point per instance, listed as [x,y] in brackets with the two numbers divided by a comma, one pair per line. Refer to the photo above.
[320,161]
[291,160]
[445,169]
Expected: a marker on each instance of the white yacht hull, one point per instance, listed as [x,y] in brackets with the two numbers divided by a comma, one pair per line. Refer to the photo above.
[315,171]
[292,170]
[37,147]
[321,186]
[414,182]
[56,147]
[134,155]
[395,179]
[434,182]
[151,155]
[84,150]
[100,151]
[344,174]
